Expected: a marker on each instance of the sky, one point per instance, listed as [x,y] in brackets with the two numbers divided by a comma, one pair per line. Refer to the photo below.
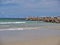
[26,8]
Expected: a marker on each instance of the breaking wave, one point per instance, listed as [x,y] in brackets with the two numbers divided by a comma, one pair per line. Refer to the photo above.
[11,22]
[11,29]
[27,28]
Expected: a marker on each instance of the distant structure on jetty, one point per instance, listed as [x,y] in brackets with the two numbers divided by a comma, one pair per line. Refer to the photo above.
[45,19]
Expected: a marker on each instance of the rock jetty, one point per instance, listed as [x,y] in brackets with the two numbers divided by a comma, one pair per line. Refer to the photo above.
[45,19]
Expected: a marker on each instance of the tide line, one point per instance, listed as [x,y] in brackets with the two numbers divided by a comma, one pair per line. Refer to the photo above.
[11,29]
[27,28]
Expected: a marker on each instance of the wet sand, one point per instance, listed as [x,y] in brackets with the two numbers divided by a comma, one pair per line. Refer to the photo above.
[56,27]
[51,40]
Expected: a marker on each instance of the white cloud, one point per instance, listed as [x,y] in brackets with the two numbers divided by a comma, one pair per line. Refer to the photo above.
[7,1]
[41,4]
[34,3]
[36,6]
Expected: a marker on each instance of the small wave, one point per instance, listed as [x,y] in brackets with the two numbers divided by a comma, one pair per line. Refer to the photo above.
[27,28]
[11,29]
[11,22]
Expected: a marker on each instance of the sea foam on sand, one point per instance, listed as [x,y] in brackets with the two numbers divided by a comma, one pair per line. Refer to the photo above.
[11,29]
[26,28]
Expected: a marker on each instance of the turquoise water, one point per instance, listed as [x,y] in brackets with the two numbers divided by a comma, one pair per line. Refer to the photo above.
[21,23]
[17,23]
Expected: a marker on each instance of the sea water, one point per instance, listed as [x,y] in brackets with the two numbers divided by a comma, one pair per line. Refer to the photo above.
[14,30]
[16,24]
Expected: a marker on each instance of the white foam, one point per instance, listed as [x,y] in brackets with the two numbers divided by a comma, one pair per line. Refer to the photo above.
[11,29]
[11,22]
[26,28]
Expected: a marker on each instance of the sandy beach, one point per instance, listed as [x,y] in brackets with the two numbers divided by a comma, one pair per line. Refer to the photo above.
[43,34]
[29,22]
[51,40]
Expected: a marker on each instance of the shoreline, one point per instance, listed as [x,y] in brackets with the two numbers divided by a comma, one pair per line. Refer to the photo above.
[33,28]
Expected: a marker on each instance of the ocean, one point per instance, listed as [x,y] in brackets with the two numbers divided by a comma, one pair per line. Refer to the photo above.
[17,24]
[21,24]
[21,30]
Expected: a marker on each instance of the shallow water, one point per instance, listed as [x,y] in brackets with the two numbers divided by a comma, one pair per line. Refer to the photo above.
[22,24]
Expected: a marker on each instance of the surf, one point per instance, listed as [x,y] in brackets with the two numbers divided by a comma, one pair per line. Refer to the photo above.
[25,28]
[11,29]
[11,22]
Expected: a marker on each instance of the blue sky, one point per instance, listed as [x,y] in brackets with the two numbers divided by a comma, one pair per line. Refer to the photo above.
[25,8]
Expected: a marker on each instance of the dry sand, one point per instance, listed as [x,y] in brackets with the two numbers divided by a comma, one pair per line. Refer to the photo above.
[51,40]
